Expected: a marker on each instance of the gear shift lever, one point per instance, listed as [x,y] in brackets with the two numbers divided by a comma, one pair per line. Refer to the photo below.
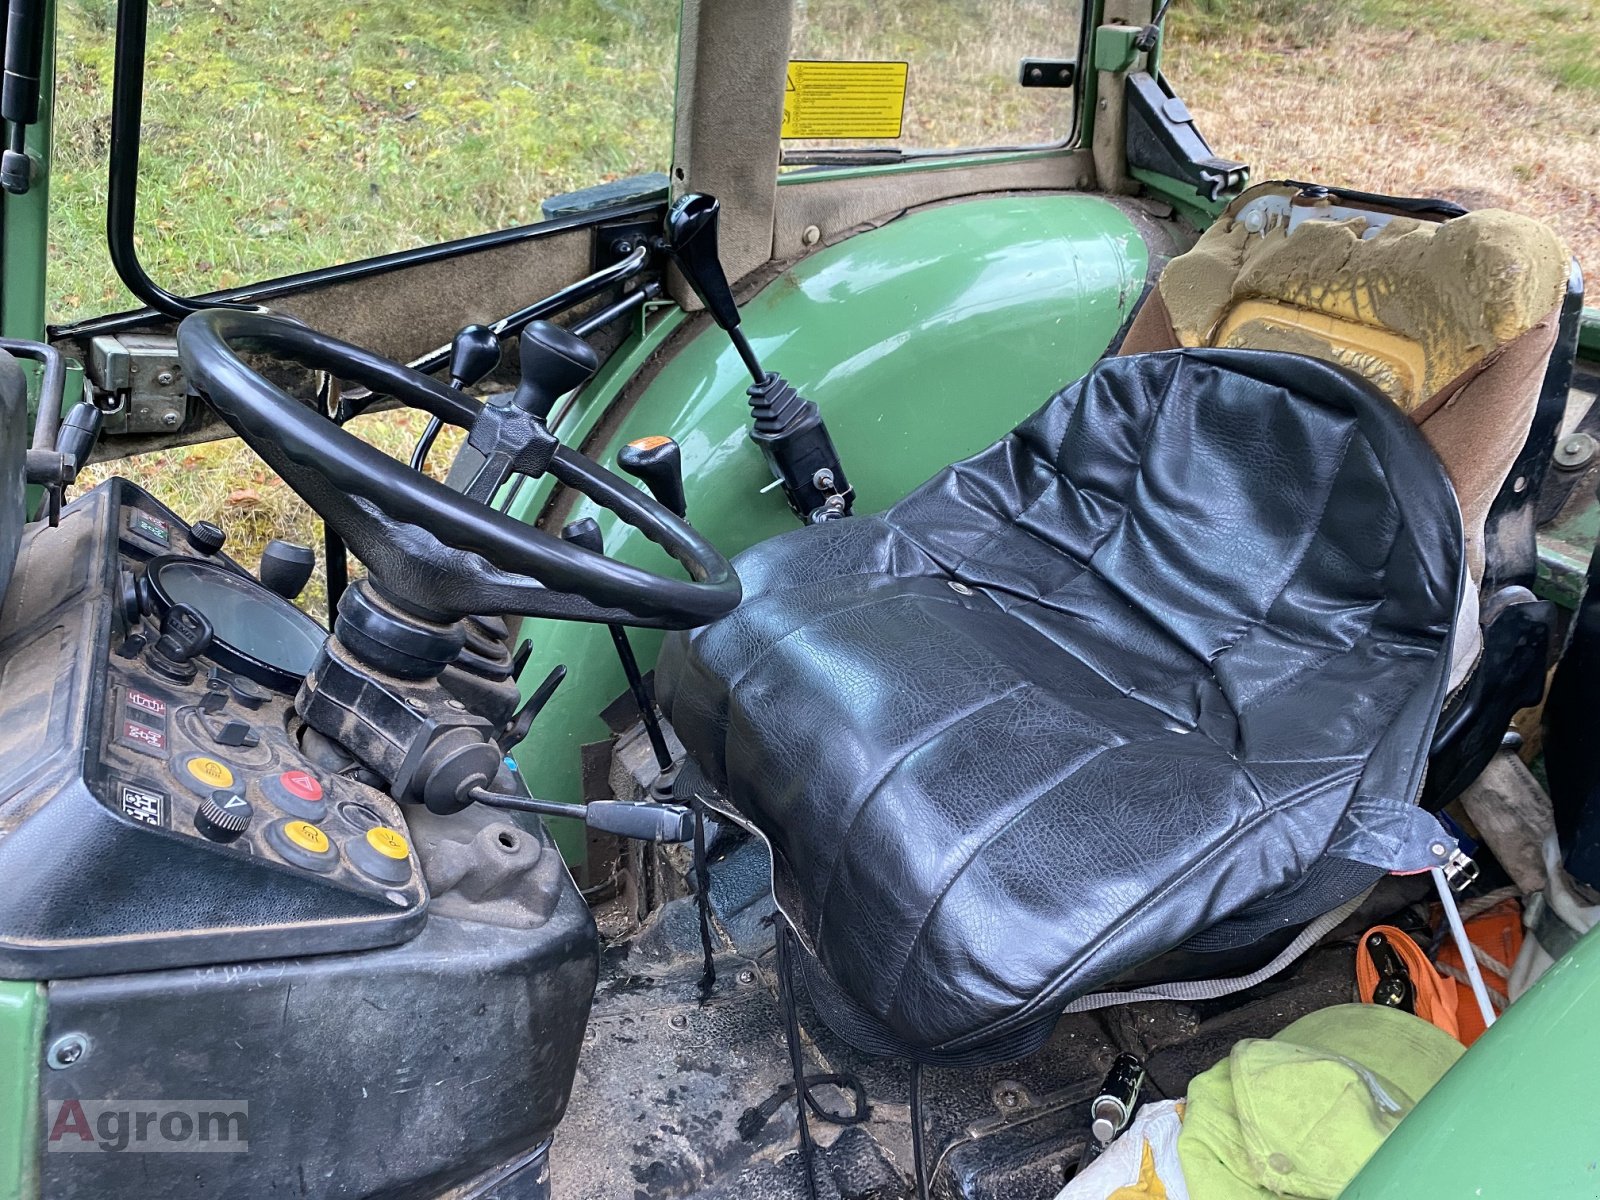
[788,427]
[474,353]
[554,361]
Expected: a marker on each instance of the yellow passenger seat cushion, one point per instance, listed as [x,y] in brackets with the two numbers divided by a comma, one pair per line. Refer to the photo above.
[1413,308]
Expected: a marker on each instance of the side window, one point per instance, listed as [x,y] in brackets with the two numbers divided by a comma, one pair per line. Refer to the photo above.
[286,136]
[961,82]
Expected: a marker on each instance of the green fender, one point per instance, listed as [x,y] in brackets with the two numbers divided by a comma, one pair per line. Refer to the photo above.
[1516,1117]
[921,341]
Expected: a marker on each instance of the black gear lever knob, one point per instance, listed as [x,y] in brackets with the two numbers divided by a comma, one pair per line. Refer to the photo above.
[692,241]
[554,361]
[658,463]
[474,353]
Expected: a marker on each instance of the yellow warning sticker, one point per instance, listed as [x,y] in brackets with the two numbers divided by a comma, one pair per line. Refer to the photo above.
[844,99]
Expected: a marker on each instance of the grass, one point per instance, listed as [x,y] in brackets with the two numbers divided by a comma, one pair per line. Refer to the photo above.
[287,134]
[1495,103]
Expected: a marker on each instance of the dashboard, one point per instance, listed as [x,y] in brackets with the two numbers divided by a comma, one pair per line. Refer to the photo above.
[156,807]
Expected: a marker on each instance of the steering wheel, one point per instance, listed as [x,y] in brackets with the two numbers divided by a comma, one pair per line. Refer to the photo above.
[433,551]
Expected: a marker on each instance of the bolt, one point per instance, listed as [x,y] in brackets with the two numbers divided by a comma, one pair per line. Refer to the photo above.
[747,976]
[457,705]
[1035,73]
[960,588]
[169,419]
[165,379]
[622,247]
[811,236]
[1519,484]
[679,1021]
[1437,849]
[67,1049]
[823,480]
[414,702]
[1575,452]
[1064,74]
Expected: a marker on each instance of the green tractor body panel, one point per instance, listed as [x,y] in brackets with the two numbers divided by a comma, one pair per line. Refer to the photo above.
[1515,1117]
[21,1034]
[922,341]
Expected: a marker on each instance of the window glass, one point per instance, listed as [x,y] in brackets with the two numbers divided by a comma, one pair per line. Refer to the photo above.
[962,87]
[286,135]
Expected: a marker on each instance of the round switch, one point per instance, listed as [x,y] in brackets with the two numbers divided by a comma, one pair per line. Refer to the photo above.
[297,792]
[381,853]
[223,816]
[207,537]
[303,844]
[206,775]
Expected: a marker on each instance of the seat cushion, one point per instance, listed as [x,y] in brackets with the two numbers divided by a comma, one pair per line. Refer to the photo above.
[1087,694]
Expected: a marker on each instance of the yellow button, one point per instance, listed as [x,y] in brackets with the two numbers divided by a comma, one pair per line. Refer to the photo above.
[210,772]
[307,836]
[388,843]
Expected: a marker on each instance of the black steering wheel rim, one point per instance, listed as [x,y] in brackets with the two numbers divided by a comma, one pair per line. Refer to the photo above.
[433,549]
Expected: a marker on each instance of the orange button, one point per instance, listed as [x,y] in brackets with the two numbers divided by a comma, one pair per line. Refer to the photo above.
[649,443]
[388,843]
[209,772]
[307,836]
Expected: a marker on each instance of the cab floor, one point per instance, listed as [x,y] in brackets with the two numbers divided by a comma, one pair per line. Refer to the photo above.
[679,1097]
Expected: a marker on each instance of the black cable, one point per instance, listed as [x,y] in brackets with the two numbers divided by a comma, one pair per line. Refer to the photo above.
[702,898]
[919,1163]
[797,1066]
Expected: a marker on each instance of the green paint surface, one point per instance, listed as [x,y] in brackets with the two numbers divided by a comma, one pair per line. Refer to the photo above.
[25,244]
[922,342]
[21,1035]
[1515,1118]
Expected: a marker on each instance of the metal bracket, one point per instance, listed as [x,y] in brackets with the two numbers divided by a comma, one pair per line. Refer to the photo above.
[139,382]
[1047,73]
[1162,138]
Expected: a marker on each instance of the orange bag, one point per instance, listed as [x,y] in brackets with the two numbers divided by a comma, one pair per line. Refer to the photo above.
[1496,935]
[1436,995]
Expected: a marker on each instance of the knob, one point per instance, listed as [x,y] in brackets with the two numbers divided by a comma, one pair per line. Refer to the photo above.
[554,361]
[207,537]
[286,568]
[657,461]
[223,816]
[692,242]
[585,533]
[474,352]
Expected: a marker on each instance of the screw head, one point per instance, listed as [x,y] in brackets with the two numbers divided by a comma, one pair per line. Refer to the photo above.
[66,1050]
[169,419]
[678,1021]
[747,976]
[1575,451]
[165,379]
[812,235]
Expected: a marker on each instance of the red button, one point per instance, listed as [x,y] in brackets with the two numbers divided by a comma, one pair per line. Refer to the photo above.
[298,783]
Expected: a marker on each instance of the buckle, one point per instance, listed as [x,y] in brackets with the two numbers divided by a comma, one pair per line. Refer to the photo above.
[1460,871]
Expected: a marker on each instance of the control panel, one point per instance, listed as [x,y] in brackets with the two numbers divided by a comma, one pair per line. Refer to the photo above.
[157,804]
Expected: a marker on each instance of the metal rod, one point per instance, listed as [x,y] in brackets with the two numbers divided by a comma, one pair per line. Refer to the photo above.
[1469,958]
[641,698]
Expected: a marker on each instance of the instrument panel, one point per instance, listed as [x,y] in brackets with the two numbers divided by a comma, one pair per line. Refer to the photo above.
[156,806]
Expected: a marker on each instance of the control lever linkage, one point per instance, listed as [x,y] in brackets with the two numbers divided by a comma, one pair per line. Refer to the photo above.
[638,819]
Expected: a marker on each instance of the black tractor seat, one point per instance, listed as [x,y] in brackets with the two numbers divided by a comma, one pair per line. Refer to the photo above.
[1160,668]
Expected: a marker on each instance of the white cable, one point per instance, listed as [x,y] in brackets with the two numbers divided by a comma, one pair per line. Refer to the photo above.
[1458,931]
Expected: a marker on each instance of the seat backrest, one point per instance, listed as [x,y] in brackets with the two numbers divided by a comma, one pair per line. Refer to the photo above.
[1453,318]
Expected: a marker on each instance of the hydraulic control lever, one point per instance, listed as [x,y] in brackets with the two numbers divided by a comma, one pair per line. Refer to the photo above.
[788,427]
[658,463]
